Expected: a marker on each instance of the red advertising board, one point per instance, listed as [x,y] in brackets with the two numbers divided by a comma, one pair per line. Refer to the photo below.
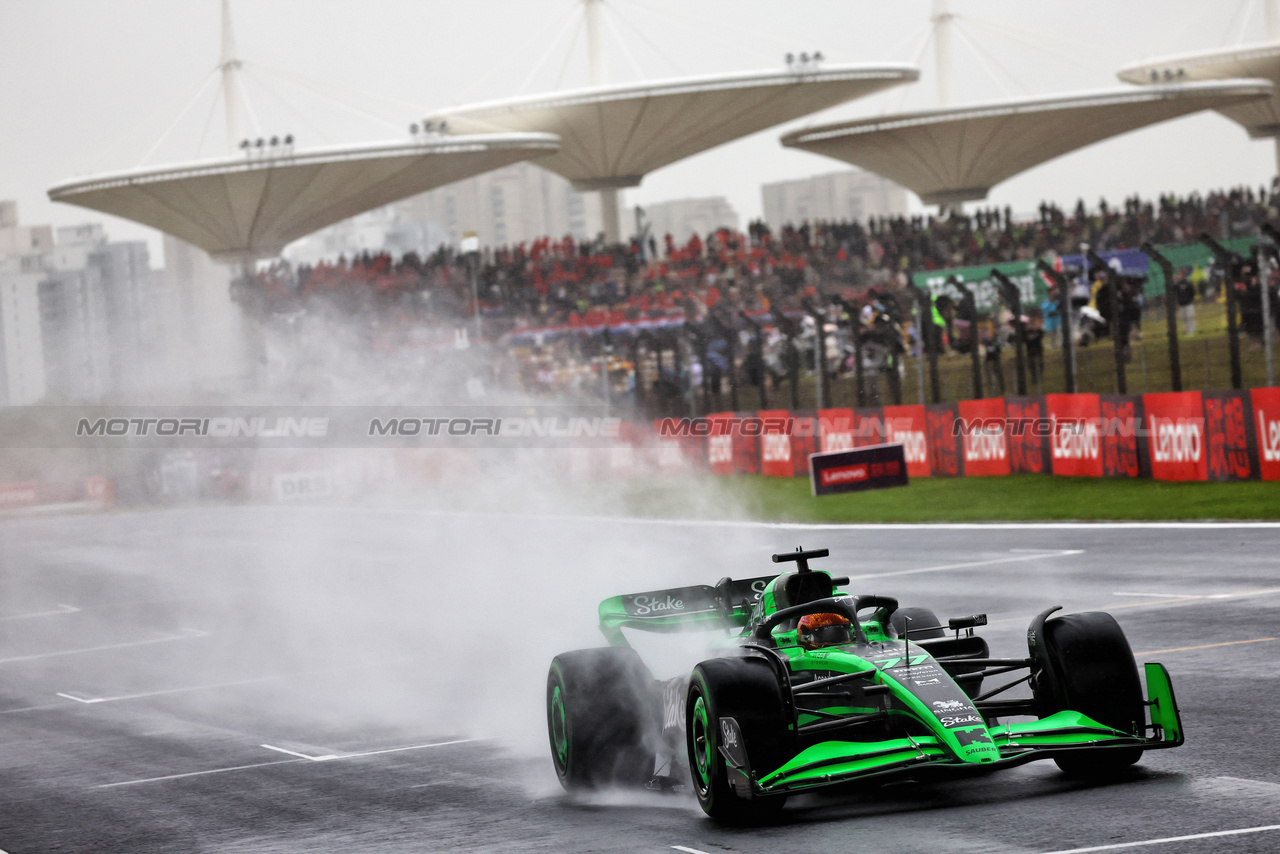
[804,441]
[1075,442]
[982,436]
[746,442]
[835,430]
[1266,424]
[775,443]
[944,445]
[1230,442]
[1028,435]
[905,425]
[24,494]
[1121,422]
[720,443]
[1175,439]
[868,427]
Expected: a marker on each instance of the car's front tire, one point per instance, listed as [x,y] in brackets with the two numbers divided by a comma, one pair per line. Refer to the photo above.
[746,690]
[603,718]
[1091,670]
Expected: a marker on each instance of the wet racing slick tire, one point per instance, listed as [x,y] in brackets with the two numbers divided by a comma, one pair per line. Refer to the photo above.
[746,690]
[1093,671]
[603,718]
[924,623]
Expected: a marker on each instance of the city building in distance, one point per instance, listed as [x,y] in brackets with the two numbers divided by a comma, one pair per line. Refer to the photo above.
[851,194]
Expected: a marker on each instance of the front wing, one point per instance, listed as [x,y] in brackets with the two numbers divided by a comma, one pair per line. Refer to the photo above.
[834,762]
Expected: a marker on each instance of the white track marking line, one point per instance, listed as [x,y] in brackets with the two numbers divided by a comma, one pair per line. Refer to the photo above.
[187,634]
[1120,845]
[194,774]
[1160,595]
[61,609]
[80,699]
[324,758]
[1203,646]
[299,757]
[676,847]
[970,564]
[164,692]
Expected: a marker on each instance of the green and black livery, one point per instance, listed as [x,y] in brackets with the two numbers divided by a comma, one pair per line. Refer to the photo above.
[903,697]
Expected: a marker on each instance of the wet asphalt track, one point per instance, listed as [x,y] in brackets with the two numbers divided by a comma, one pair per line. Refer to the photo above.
[311,679]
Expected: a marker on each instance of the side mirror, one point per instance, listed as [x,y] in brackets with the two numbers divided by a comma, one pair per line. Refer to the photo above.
[958,624]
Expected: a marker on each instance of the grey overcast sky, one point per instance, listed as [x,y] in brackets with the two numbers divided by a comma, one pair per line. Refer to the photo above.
[88,86]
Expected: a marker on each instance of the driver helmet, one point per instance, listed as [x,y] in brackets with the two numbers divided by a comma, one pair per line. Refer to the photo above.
[817,630]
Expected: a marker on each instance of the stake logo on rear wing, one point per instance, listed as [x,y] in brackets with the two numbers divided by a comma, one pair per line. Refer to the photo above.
[678,608]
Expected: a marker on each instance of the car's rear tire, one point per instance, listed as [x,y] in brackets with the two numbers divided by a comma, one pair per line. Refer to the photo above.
[747,690]
[604,718]
[1091,670]
[924,623]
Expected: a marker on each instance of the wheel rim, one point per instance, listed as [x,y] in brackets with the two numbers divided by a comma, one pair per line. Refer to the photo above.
[559,729]
[700,733]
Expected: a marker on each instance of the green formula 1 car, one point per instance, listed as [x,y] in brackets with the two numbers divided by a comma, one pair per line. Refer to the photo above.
[814,688]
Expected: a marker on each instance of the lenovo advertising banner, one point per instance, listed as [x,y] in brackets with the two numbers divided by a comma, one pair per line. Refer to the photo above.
[944,444]
[1027,430]
[868,427]
[720,443]
[1229,438]
[775,443]
[1121,423]
[1266,423]
[804,441]
[872,467]
[835,430]
[746,443]
[1175,426]
[905,425]
[986,451]
[1075,442]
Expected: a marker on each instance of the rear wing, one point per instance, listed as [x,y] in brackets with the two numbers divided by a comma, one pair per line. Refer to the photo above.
[681,609]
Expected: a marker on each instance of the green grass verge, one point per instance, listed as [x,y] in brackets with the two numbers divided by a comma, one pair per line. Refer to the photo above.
[971,499]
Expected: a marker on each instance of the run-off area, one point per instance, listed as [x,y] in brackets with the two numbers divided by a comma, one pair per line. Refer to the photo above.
[309,679]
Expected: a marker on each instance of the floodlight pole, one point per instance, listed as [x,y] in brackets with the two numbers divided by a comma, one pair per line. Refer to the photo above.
[1170,313]
[758,349]
[969,304]
[230,65]
[1266,260]
[1013,299]
[819,354]
[1092,260]
[1064,310]
[930,342]
[1231,266]
[855,335]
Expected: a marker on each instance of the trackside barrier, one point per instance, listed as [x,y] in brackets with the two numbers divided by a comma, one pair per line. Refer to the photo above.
[1189,435]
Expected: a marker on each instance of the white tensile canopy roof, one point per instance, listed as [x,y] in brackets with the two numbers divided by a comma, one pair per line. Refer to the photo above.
[250,206]
[958,154]
[612,136]
[1261,118]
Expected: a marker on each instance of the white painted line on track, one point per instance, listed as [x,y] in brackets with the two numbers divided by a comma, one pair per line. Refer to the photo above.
[298,757]
[187,634]
[1195,524]
[165,692]
[195,774]
[1204,646]
[58,611]
[1166,595]
[1167,839]
[88,701]
[324,758]
[676,847]
[1015,559]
